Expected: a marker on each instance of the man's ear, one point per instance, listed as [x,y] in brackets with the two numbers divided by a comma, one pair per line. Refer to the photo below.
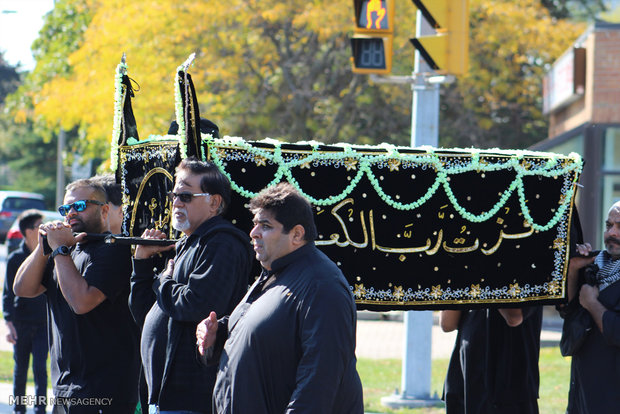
[105,210]
[298,233]
[215,201]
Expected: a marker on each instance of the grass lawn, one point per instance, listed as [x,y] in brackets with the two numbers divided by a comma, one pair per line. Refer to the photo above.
[381,377]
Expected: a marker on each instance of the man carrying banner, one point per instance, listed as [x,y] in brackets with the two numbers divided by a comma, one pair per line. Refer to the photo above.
[93,339]
[595,364]
[209,271]
[494,365]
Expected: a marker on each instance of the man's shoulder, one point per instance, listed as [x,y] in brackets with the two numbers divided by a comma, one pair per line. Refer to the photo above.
[223,229]
[117,253]
[320,270]
[18,255]
[95,247]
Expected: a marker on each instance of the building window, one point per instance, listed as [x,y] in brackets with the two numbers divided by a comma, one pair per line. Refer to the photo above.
[611,160]
[574,144]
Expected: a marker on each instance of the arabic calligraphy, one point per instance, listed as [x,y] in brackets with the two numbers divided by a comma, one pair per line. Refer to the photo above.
[430,247]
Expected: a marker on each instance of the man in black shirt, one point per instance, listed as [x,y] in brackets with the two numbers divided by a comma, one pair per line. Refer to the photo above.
[93,339]
[210,271]
[26,319]
[289,346]
[494,365]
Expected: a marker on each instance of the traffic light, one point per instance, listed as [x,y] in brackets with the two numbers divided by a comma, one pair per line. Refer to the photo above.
[447,52]
[371,44]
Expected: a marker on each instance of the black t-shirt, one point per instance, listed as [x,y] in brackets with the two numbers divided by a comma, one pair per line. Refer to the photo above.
[95,354]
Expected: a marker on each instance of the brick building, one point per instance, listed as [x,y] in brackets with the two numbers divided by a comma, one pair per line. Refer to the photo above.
[582,100]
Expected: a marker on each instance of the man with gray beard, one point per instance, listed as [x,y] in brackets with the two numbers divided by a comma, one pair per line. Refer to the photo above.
[210,270]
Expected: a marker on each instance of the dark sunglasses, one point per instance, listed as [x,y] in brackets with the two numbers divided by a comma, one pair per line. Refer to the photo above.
[78,206]
[184,197]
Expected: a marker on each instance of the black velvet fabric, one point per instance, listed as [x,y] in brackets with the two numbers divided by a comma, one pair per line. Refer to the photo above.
[191,114]
[429,257]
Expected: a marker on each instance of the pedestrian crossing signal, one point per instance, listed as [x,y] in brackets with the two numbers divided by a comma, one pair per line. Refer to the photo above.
[371,44]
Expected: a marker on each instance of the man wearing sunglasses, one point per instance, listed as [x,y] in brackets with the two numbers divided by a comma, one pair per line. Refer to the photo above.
[209,271]
[93,339]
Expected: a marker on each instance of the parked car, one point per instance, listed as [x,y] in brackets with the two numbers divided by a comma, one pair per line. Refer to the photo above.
[14,202]
[14,237]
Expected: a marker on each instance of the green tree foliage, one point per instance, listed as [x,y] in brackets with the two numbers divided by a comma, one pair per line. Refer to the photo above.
[9,78]
[268,68]
[612,16]
[26,163]
[499,102]
[579,9]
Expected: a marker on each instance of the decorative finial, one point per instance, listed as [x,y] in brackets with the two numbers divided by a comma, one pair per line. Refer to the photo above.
[189,61]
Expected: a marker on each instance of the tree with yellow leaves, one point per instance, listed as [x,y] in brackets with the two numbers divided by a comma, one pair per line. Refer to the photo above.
[281,69]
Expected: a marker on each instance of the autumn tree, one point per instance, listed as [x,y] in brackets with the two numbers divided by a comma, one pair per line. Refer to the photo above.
[263,68]
[281,69]
[578,9]
[499,102]
[26,163]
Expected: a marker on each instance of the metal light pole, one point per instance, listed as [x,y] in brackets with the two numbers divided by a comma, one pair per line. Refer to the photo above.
[416,366]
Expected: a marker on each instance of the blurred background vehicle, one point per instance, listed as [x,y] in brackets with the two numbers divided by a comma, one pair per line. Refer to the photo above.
[14,202]
[14,237]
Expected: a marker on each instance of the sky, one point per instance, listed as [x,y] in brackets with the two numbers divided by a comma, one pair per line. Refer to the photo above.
[18,30]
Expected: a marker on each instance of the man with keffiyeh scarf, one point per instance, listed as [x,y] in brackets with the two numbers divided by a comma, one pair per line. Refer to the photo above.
[595,367]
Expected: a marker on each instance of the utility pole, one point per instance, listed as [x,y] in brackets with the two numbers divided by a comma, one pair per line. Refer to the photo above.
[416,365]
[441,42]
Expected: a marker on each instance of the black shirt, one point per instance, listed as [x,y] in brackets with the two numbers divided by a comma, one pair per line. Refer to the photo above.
[291,346]
[95,354]
[494,368]
[14,308]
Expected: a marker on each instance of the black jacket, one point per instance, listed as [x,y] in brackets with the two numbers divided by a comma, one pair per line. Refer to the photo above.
[211,273]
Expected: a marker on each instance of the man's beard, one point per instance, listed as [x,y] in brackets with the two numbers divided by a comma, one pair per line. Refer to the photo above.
[180,225]
[612,245]
[86,226]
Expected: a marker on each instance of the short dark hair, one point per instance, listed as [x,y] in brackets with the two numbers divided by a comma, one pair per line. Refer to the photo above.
[112,188]
[212,180]
[98,189]
[288,206]
[27,218]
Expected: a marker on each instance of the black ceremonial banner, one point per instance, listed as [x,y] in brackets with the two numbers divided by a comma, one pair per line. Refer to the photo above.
[147,174]
[422,229]
[411,228]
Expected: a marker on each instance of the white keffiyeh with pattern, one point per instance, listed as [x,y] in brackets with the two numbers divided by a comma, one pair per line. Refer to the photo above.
[609,270]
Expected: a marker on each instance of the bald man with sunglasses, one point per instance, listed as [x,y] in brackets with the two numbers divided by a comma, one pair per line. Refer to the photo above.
[93,338]
[210,270]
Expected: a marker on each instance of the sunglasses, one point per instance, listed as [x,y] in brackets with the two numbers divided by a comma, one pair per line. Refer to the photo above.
[184,197]
[78,206]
